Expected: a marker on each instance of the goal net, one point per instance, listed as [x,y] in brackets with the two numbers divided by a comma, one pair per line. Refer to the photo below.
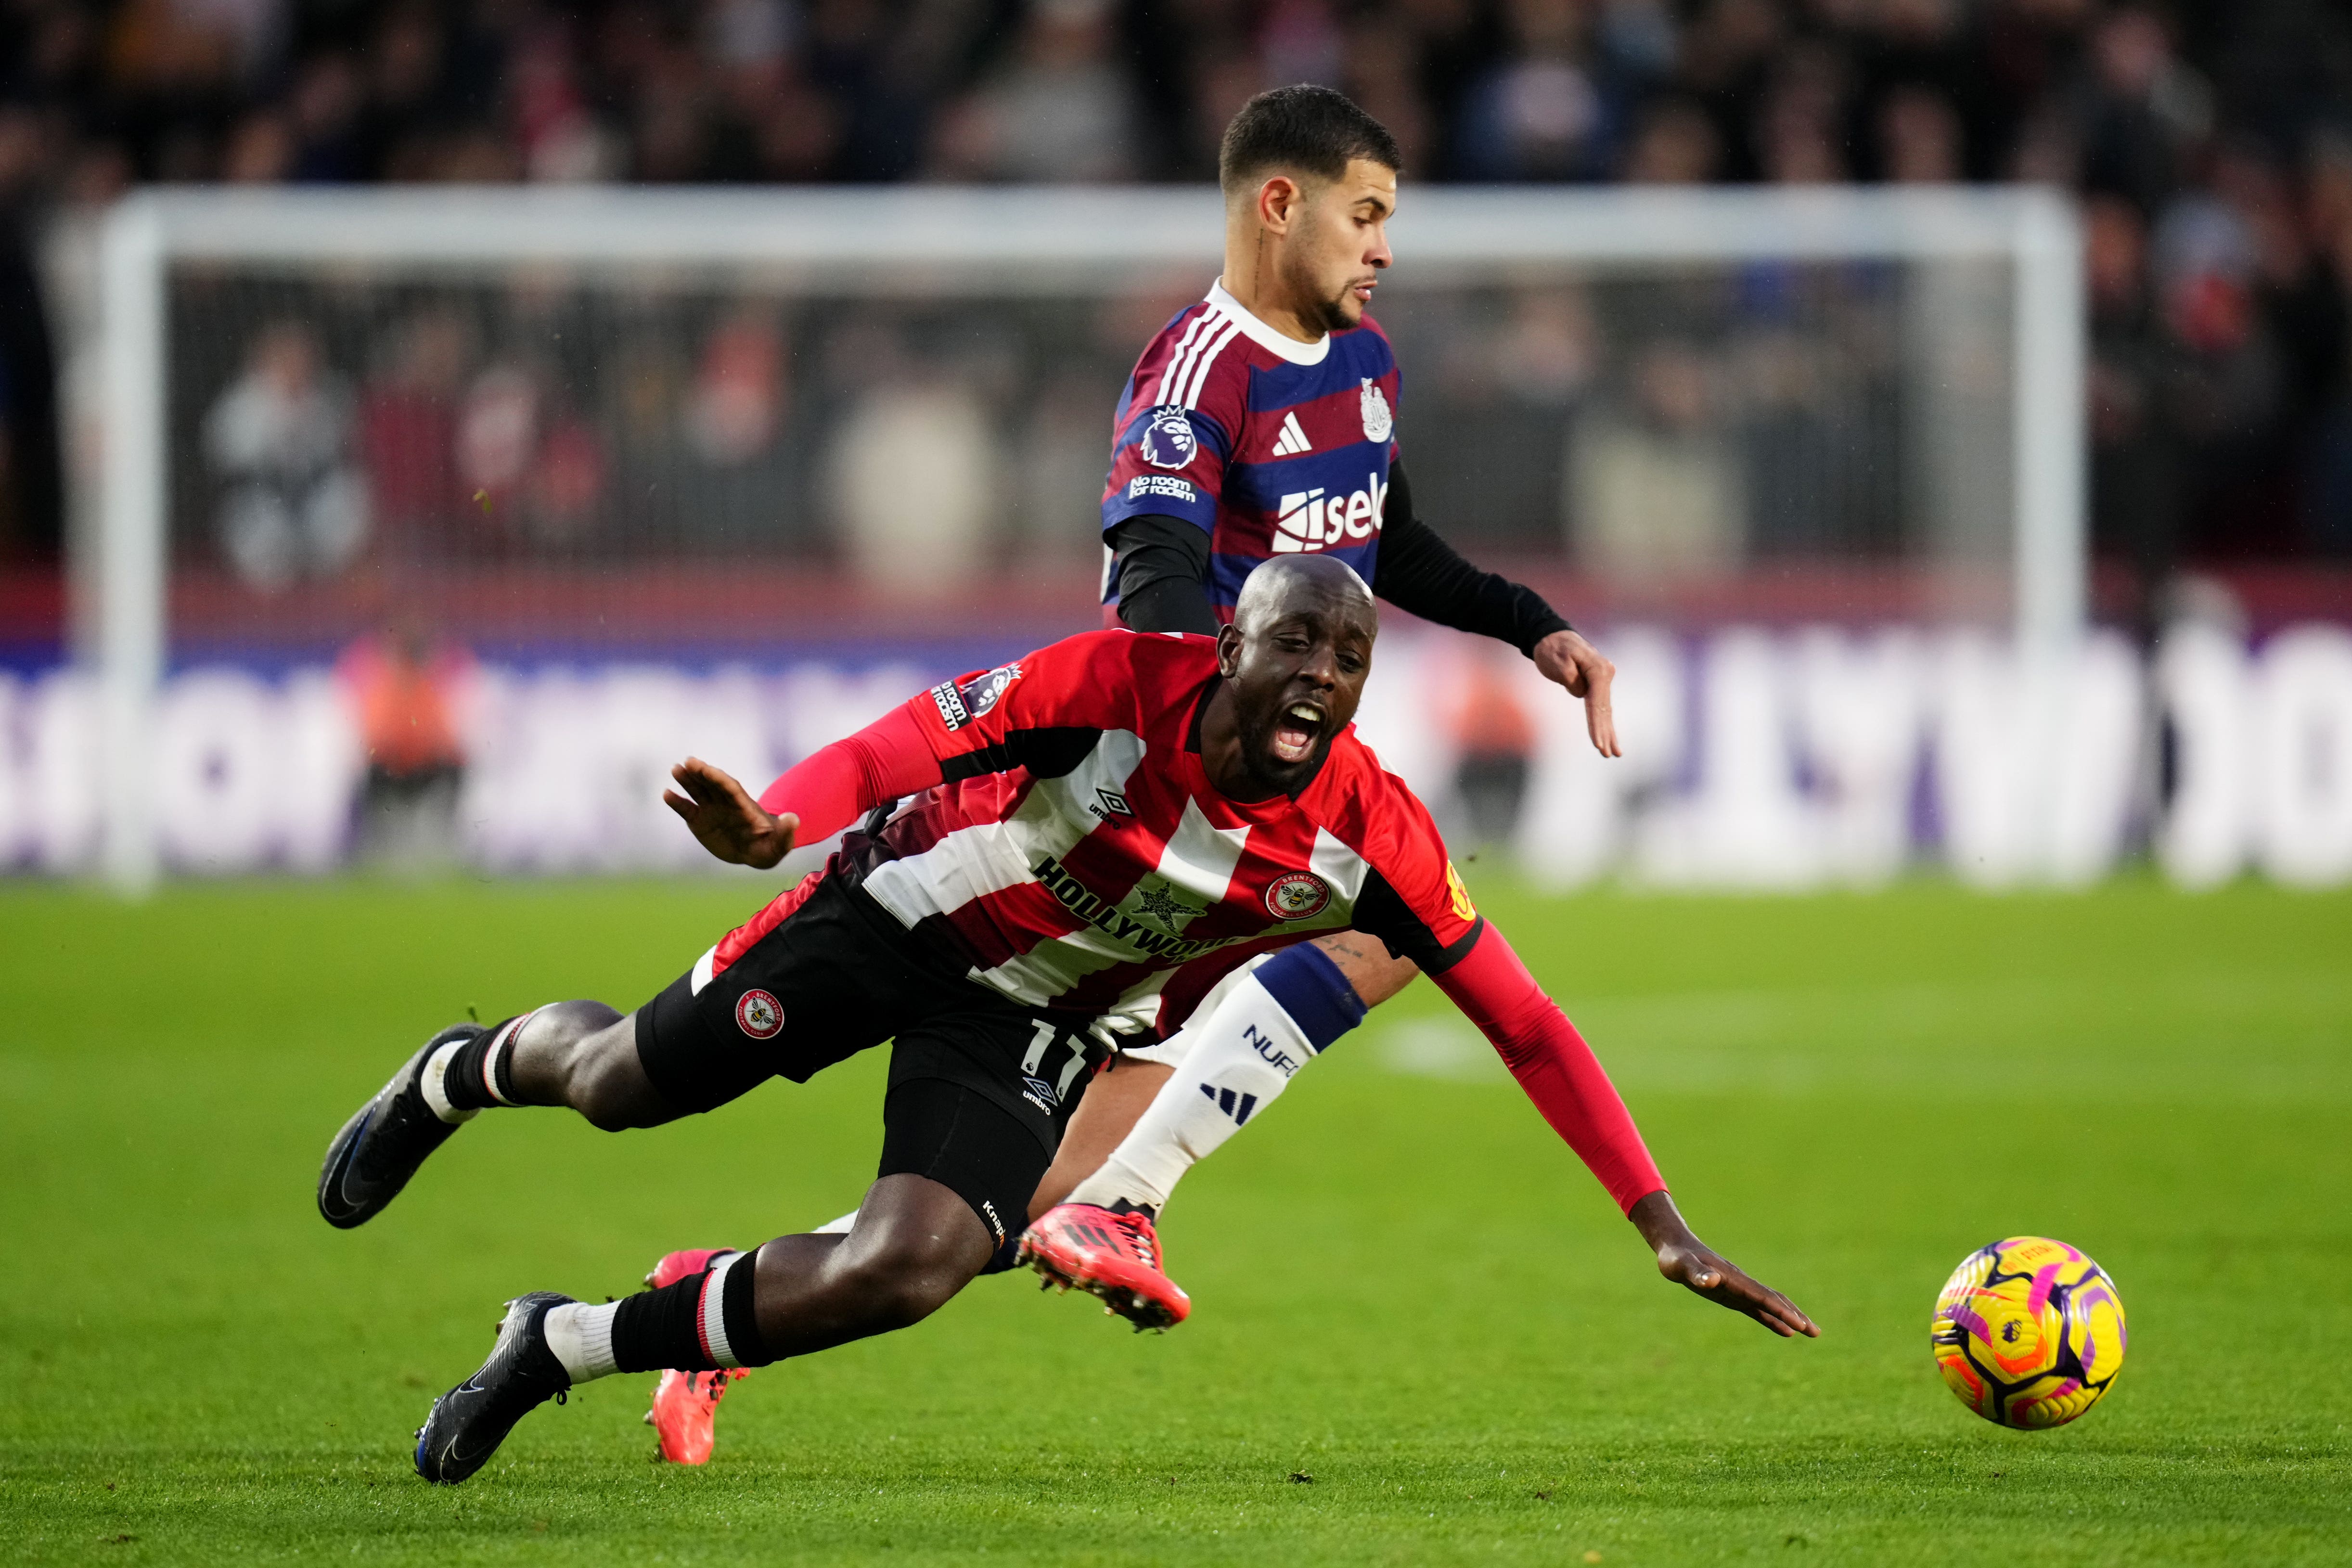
[436,525]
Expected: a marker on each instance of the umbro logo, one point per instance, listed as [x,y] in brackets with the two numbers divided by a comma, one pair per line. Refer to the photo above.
[1293,440]
[1238,1107]
[1109,802]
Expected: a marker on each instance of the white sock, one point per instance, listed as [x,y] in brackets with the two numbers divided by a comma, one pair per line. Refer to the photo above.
[582,1338]
[1241,1056]
[436,1094]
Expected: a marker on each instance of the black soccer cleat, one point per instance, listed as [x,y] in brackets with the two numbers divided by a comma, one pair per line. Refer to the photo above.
[384,1142]
[467,1424]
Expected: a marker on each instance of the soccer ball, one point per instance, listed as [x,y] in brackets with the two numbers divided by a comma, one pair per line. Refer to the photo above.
[2029,1332]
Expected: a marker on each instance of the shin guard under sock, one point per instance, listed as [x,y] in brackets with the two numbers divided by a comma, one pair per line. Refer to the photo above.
[705,1320]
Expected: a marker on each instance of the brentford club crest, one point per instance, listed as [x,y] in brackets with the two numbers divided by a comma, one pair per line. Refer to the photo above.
[1296,896]
[759,1014]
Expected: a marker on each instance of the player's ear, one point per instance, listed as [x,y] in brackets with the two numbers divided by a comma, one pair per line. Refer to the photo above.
[1277,203]
[1229,651]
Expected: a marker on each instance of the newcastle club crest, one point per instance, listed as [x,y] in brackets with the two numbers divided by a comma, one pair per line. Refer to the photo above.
[1377,420]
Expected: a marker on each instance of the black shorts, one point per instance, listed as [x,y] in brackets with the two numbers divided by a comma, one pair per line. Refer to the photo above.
[980,1087]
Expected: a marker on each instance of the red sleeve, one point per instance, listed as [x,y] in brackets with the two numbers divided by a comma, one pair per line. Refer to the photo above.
[1553,1065]
[1413,901]
[831,788]
[983,722]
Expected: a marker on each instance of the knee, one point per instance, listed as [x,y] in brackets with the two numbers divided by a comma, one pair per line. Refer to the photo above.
[900,1285]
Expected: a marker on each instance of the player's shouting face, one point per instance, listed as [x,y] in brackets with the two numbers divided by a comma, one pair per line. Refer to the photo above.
[1293,662]
[1337,242]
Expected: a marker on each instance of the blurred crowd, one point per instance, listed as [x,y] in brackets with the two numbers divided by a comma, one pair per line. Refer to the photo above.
[2128,99]
[2212,144]
[1655,429]
[544,418]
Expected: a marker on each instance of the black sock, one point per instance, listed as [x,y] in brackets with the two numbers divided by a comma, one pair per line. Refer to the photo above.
[462,1083]
[665,1329]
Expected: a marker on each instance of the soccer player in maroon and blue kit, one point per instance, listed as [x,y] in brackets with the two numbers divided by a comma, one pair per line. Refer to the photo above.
[1050,846]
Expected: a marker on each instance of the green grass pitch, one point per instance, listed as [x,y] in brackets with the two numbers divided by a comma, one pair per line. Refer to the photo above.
[1405,1288]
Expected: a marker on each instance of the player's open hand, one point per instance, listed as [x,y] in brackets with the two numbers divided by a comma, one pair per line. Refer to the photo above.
[1686,1260]
[724,817]
[1568,658]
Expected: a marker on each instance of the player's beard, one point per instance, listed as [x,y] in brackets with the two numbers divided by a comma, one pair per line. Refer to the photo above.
[1343,313]
[1336,314]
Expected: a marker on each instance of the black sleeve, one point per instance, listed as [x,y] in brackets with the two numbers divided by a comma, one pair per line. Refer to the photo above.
[1163,575]
[1418,572]
[1048,754]
[1382,912]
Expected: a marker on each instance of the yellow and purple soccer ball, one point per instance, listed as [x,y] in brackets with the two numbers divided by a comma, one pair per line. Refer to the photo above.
[2029,1332]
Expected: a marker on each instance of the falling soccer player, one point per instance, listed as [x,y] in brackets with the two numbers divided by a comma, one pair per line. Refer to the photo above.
[1261,422]
[1074,829]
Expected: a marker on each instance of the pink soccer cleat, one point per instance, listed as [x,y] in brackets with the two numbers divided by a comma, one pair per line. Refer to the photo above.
[685,1403]
[685,1413]
[1114,1256]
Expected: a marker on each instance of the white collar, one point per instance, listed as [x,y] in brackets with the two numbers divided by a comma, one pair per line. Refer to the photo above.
[1264,336]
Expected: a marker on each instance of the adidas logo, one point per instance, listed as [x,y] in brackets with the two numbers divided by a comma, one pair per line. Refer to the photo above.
[1238,1107]
[1293,440]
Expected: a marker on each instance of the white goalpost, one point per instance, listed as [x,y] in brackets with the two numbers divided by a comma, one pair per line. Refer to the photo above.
[1020,244]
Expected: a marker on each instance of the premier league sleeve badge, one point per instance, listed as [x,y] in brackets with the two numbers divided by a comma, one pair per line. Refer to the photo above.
[1168,440]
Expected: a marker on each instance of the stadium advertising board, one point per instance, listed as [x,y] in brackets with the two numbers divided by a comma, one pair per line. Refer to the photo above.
[1754,758]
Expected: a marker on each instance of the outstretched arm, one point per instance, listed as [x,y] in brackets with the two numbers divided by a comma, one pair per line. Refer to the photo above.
[725,819]
[816,799]
[1560,1074]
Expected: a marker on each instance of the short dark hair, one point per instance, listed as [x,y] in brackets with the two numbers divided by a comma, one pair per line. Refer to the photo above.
[1309,129]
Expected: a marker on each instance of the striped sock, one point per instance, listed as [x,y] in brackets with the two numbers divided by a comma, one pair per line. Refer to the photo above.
[479,1073]
[702,1321]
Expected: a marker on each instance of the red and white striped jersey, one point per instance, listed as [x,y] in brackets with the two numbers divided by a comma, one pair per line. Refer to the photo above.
[1077,857]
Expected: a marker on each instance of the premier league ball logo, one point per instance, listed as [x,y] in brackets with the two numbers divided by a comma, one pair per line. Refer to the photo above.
[1167,441]
[982,694]
[759,1015]
[1296,896]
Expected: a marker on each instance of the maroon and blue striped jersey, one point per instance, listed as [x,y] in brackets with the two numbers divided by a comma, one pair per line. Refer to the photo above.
[1269,445]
